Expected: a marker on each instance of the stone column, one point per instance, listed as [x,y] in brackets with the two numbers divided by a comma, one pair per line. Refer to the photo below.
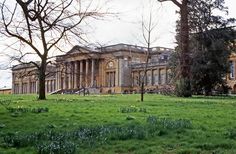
[86,73]
[57,78]
[92,72]
[81,74]
[72,75]
[69,71]
[75,75]
[65,77]
[152,83]
[13,84]
[28,86]
[117,73]
[121,71]
[21,87]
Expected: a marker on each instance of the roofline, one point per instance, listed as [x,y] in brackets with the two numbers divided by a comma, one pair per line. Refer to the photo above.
[134,46]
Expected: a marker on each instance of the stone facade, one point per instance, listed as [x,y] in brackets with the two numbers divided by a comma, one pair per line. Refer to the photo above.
[25,79]
[111,69]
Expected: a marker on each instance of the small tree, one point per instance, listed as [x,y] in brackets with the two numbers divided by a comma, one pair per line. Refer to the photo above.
[42,25]
[148,27]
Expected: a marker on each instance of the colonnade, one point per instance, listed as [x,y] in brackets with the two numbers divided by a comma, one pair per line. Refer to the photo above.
[155,76]
[76,74]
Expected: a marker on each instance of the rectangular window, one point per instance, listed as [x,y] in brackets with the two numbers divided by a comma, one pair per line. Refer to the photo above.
[110,79]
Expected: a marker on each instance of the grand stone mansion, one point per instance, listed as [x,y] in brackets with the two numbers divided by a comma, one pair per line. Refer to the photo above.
[110,69]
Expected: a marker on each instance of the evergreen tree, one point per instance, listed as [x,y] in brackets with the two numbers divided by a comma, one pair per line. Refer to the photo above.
[210,52]
[208,48]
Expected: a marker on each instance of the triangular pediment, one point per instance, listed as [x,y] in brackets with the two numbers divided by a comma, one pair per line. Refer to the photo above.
[78,49]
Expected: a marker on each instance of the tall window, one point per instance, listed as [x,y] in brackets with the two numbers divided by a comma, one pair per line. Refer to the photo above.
[16,89]
[232,68]
[110,74]
[110,79]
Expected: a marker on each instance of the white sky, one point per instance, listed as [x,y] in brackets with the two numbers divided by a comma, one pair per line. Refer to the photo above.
[126,28]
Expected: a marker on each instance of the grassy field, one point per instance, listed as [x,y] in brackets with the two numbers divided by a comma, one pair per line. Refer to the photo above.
[117,124]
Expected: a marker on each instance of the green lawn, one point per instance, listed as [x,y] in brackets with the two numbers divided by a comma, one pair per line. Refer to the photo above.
[117,124]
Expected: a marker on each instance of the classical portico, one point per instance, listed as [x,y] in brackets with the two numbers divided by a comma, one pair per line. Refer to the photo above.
[77,74]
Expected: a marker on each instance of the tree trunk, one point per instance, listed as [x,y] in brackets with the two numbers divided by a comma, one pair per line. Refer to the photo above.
[42,78]
[184,58]
[142,91]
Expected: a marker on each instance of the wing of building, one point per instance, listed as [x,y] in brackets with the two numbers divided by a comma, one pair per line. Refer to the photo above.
[110,69]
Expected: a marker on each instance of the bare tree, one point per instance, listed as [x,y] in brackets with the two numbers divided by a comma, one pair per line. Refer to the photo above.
[42,25]
[184,77]
[148,27]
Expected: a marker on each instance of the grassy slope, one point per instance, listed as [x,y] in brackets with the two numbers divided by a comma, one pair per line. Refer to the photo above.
[211,117]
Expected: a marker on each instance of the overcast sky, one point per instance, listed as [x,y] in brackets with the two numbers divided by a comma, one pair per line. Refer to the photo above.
[126,28]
